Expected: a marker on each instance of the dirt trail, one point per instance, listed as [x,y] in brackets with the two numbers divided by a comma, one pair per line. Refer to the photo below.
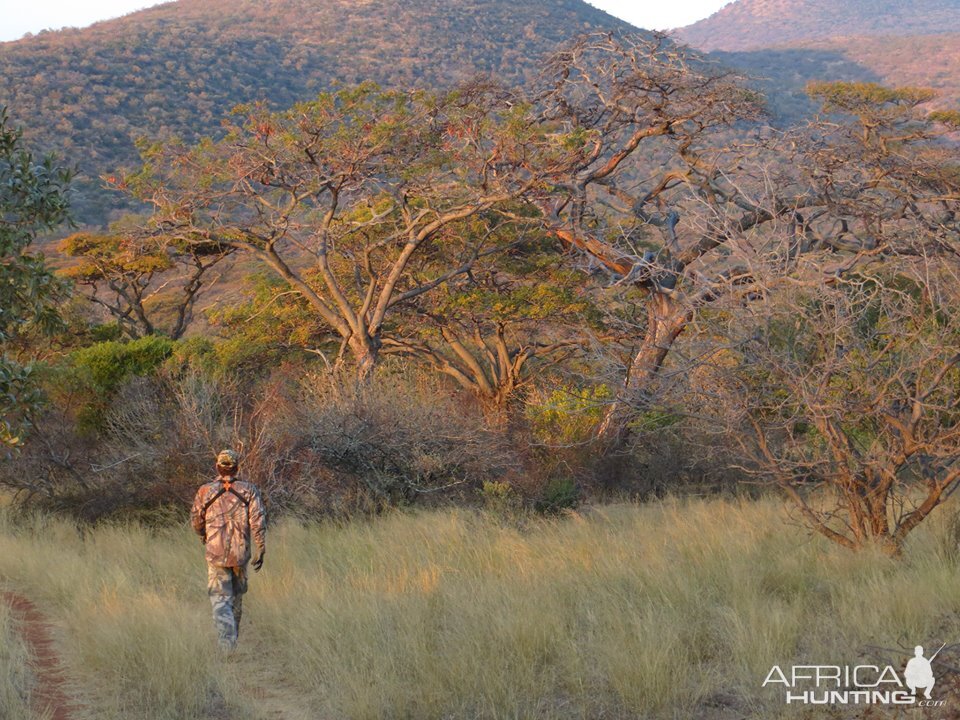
[270,695]
[49,699]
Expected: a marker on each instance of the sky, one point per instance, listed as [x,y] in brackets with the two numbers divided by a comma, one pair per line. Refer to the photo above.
[660,14]
[18,17]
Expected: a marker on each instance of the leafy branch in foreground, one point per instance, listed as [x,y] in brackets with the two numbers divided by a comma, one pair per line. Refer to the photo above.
[33,199]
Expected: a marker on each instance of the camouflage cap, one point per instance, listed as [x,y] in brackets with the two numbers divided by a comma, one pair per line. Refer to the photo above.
[227,459]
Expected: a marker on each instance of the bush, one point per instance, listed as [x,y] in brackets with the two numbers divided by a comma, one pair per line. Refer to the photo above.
[86,383]
[195,354]
[498,496]
[567,414]
[107,364]
[560,494]
[316,445]
[401,437]
[134,428]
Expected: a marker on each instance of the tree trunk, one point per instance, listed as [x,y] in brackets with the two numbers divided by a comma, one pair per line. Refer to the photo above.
[496,406]
[666,319]
[366,353]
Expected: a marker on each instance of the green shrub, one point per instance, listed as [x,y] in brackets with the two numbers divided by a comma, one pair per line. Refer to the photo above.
[107,364]
[560,493]
[498,496]
[105,332]
[195,353]
[92,375]
[568,414]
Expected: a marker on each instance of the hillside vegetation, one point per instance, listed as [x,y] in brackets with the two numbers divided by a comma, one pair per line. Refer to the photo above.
[931,61]
[785,44]
[783,72]
[753,24]
[178,68]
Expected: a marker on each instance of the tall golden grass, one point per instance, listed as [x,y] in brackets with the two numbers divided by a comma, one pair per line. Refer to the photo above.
[623,611]
[14,677]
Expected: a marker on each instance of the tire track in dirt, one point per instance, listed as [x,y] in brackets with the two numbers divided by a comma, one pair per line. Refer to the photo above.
[48,697]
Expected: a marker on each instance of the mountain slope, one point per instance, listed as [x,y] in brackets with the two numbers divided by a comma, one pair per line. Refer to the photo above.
[752,24]
[178,68]
[931,61]
[788,43]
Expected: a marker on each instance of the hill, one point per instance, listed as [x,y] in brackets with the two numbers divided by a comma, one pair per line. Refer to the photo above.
[178,68]
[787,43]
[782,72]
[753,24]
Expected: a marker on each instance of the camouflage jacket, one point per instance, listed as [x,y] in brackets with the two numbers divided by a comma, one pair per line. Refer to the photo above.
[231,518]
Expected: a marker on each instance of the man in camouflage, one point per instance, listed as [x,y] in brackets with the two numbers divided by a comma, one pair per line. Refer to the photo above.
[226,514]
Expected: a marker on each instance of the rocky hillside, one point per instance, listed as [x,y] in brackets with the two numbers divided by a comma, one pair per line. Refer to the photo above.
[754,24]
[179,67]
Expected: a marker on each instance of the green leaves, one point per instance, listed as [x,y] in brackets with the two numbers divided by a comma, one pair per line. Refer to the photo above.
[33,199]
[112,257]
[106,365]
[536,301]
[950,118]
[18,397]
[858,96]
[95,373]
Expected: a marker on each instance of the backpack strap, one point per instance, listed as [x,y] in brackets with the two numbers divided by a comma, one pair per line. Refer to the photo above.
[246,503]
[225,487]
[211,501]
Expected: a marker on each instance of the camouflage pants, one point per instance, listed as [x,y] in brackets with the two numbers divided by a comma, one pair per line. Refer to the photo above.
[226,587]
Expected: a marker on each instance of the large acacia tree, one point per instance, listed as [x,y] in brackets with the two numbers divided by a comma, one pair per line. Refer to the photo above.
[637,201]
[361,200]
[147,287]
[846,395]
[679,192]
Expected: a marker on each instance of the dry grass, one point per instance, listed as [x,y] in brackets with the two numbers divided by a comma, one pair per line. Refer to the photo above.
[624,611]
[14,677]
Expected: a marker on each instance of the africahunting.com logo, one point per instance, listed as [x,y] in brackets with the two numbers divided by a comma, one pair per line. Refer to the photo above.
[858,684]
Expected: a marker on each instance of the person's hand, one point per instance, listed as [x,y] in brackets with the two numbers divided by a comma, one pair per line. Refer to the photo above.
[258,561]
